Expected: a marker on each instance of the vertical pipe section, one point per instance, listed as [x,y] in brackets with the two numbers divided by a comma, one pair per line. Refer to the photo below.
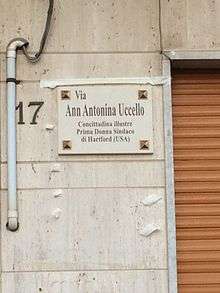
[12,48]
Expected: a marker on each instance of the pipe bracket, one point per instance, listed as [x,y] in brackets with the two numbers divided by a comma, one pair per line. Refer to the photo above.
[13,80]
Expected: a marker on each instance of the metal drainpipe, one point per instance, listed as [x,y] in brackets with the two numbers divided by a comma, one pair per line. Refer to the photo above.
[12,48]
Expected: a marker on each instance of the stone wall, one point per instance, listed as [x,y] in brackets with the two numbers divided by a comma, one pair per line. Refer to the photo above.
[94,244]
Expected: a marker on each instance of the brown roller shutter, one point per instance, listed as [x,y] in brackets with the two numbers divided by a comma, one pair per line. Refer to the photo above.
[196,130]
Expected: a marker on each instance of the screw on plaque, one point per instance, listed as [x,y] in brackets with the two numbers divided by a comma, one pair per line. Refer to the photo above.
[67,145]
[142,94]
[144,145]
[65,95]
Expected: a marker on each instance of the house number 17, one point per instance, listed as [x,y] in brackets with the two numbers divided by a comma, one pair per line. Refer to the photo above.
[20,108]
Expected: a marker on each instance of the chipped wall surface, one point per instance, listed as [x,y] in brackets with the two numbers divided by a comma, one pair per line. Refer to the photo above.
[91,223]
[86,282]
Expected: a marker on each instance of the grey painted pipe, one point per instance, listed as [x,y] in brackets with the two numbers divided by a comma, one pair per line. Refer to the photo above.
[12,48]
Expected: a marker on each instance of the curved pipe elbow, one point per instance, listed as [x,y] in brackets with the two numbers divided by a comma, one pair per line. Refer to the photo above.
[12,224]
[14,45]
